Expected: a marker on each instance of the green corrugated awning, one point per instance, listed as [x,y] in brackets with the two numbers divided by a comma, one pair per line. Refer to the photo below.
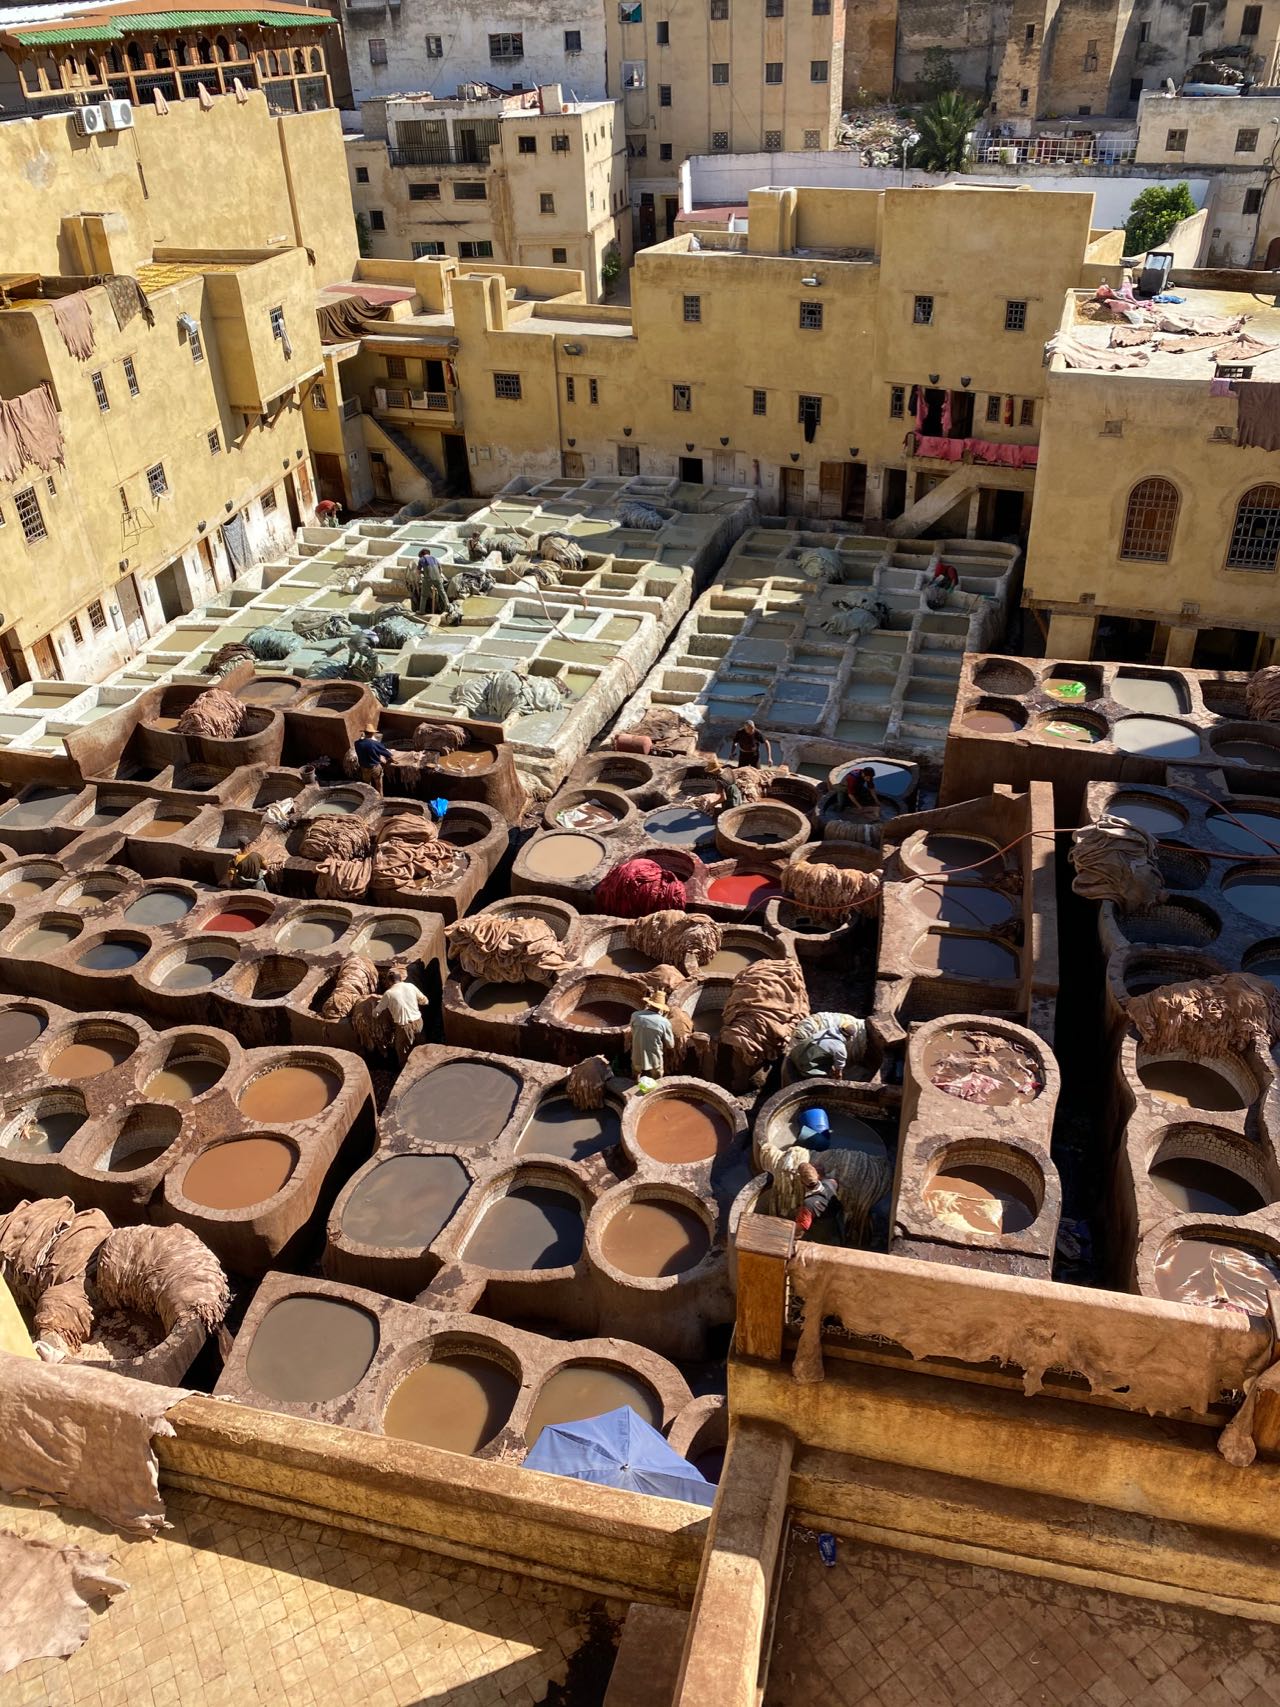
[135,23]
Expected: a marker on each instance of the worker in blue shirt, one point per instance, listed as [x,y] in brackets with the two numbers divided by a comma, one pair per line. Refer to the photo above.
[371,756]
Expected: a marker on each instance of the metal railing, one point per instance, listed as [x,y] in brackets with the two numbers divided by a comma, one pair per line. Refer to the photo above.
[1035,151]
[440,154]
[405,401]
[350,408]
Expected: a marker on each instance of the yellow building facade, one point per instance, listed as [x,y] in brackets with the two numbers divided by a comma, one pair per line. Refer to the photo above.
[160,446]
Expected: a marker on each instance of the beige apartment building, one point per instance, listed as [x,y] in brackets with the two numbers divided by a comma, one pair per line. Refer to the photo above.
[734,77]
[1234,138]
[528,180]
[152,362]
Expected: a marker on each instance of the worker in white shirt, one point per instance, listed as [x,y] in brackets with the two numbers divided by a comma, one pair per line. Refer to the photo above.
[404,1003]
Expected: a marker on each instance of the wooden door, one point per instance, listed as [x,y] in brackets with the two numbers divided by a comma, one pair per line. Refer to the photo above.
[131,609]
[831,490]
[43,658]
[572,466]
[793,491]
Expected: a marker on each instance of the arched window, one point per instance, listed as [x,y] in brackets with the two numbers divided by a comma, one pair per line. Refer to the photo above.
[1149,521]
[222,48]
[273,63]
[242,48]
[91,67]
[115,59]
[181,51]
[204,51]
[299,63]
[317,63]
[160,53]
[133,53]
[1255,535]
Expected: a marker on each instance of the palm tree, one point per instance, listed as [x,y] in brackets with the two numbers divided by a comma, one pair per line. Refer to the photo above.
[944,127]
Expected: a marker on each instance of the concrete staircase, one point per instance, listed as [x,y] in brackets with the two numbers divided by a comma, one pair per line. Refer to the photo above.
[419,478]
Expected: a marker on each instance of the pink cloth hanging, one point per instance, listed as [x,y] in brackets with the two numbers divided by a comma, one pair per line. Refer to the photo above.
[946,414]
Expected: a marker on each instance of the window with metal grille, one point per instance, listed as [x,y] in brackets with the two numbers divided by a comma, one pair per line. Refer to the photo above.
[1233,370]
[269,501]
[377,219]
[1195,24]
[362,174]
[773,8]
[663,36]
[720,71]
[560,142]
[546,203]
[897,402]
[570,389]
[1144,30]
[682,399]
[507,385]
[813,139]
[1027,412]
[131,377]
[50,487]
[470,192]
[507,45]
[573,41]
[1252,201]
[1251,22]
[559,257]
[156,481]
[3,519]
[773,71]
[719,10]
[1255,536]
[1223,435]
[593,391]
[377,50]
[277,323]
[1015,316]
[420,251]
[759,403]
[664,151]
[993,408]
[719,141]
[424,192]
[100,391]
[76,635]
[822,8]
[1113,429]
[809,410]
[435,47]
[772,141]
[97,617]
[693,308]
[811,317]
[396,368]
[819,71]
[1246,141]
[1175,141]
[215,441]
[480,250]
[197,348]
[1029,36]
[30,515]
[922,312]
[664,94]
[1149,521]
[527,144]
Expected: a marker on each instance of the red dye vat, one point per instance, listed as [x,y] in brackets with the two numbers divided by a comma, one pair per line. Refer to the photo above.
[743,889]
[235,919]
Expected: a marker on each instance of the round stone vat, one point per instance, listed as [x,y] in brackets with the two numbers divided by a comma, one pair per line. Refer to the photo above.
[239,1173]
[603,1003]
[957,954]
[745,886]
[464,826]
[329,696]
[194,964]
[1156,738]
[111,951]
[1201,1169]
[1073,728]
[532,1223]
[1222,1084]
[930,852]
[988,715]
[192,1065]
[404,1202]
[269,690]
[298,1088]
[164,821]
[343,802]
[982,1066]
[557,1128]
[89,1047]
[1245,829]
[557,915]
[596,808]
[1174,924]
[503,1001]
[145,1134]
[609,951]
[21,1023]
[1072,684]
[269,979]
[967,905]
[1151,812]
[1150,691]
[391,937]
[312,930]
[680,1121]
[1263,960]
[682,825]
[1182,867]
[44,1124]
[85,894]
[766,825]
[458,1399]
[985,1190]
[51,934]
[29,878]
[459,1103]
[656,1233]
[1224,1272]
[563,856]
[238,917]
[1003,676]
[619,770]
[582,1389]
[309,1348]
[1254,890]
[161,904]
[470,760]
[1256,744]
[894,781]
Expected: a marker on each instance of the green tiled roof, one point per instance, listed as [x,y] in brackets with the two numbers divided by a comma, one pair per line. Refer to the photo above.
[136,23]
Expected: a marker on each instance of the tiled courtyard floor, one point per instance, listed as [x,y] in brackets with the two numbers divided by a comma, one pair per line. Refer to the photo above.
[230,1608]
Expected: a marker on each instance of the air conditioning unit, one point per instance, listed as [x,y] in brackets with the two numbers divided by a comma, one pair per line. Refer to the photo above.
[119,115]
[91,121]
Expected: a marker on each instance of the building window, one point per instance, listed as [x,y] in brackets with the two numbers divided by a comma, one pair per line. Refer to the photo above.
[421,251]
[1149,521]
[480,250]
[663,36]
[1195,26]
[215,442]
[100,391]
[1135,88]
[362,174]
[570,389]
[819,71]
[773,71]
[682,399]
[593,391]
[377,219]
[97,617]
[560,142]
[993,409]
[811,317]
[29,514]
[897,402]
[664,151]
[508,45]
[813,139]
[435,47]
[377,50]
[720,72]
[922,312]
[470,192]
[759,403]
[527,144]
[1015,316]
[1251,22]
[772,141]
[319,399]
[719,10]
[131,377]
[1246,141]
[633,73]
[664,94]
[1252,201]
[773,8]
[268,501]
[693,308]
[277,323]
[1027,412]
[77,636]
[822,8]
[1175,141]
[424,192]
[1029,36]
[1024,95]
[156,482]
[809,413]
[1255,537]
[546,203]
[1144,31]
[507,386]
[197,348]
[573,41]
[559,257]
[719,141]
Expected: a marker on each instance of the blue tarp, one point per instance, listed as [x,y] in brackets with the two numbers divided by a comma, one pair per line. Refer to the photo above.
[619,1450]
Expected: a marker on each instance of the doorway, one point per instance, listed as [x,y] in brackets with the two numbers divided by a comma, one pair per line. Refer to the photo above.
[961,415]
[381,474]
[672,209]
[329,474]
[171,605]
[842,491]
[723,467]
[457,469]
[691,470]
[131,609]
[1006,514]
[13,666]
[42,656]
[895,493]
[468,147]
[1125,640]
[291,498]
[1226,649]
[628,459]
[793,491]
[648,232]
[572,466]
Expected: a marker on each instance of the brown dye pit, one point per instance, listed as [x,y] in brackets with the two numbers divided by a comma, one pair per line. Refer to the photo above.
[136,1159]
[18,1028]
[314,932]
[972,1199]
[311,1348]
[563,856]
[972,906]
[455,1403]
[289,1093]
[953,853]
[46,1134]
[196,973]
[1197,1187]
[560,1129]
[179,1081]
[582,1390]
[389,941]
[601,1014]
[982,1067]
[47,939]
[651,1238]
[847,1132]
[728,962]
[464,1102]
[86,1060]
[467,760]
[502,1000]
[266,692]
[587,815]
[1145,814]
[1190,1084]
[990,722]
[25,887]
[532,1227]
[160,907]
[405,1202]
[965,956]
[159,827]
[680,1129]
[1227,1277]
[623,959]
[238,1174]
[113,955]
